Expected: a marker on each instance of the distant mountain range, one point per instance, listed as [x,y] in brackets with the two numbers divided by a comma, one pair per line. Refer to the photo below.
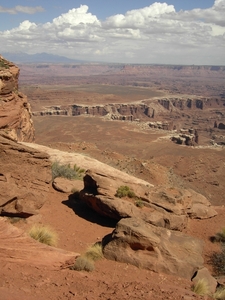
[21,57]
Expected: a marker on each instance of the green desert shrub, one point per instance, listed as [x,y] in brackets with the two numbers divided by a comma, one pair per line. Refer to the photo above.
[3,64]
[219,236]
[83,263]
[125,191]
[139,203]
[44,234]
[78,169]
[201,287]
[66,171]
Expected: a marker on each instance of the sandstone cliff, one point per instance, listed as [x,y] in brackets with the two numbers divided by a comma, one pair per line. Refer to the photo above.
[15,113]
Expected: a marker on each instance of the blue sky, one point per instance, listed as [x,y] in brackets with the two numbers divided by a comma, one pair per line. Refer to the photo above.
[127,31]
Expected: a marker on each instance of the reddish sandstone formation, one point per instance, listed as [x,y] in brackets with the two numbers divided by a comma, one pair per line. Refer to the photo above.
[144,245]
[15,113]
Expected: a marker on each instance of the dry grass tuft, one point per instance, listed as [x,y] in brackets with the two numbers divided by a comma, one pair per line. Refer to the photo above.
[86,261]
[201,287]
[44,235]
[219,294]
[94,252]
[83,263]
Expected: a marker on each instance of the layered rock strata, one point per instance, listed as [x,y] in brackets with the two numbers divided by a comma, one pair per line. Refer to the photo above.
[15,112]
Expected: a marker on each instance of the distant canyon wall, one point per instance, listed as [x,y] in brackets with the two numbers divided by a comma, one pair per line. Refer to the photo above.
[165,108]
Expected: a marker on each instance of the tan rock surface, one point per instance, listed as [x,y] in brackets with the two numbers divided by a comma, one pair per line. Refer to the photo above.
[86,162]
[25,175]
[67,186]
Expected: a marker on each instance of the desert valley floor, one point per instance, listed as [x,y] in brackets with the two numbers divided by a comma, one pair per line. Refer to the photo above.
[132,147]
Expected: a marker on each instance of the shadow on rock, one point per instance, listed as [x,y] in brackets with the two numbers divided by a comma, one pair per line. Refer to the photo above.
[82,210]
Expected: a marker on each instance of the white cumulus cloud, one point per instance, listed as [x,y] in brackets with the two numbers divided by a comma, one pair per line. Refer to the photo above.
[153,34]
[21,9]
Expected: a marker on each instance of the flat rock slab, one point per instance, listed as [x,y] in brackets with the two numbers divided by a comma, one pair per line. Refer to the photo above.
[65,185]
[86,162]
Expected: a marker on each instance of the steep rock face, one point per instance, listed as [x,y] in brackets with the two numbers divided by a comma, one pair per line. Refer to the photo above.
[25,175]
[144,245]
[15,113]
[169,110]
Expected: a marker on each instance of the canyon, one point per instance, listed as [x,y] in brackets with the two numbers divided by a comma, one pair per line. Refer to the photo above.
[119,123]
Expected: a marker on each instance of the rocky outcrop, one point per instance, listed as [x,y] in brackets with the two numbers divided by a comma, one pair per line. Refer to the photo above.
[15,112]
[164,207]
[146,246]
[160,125]
[25,175]
[188,137]
[204,274]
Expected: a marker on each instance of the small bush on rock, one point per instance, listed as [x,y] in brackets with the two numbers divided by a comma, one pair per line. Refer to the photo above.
[3,64]
[66,171]
[125,191]
[139,203]
[44,234]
